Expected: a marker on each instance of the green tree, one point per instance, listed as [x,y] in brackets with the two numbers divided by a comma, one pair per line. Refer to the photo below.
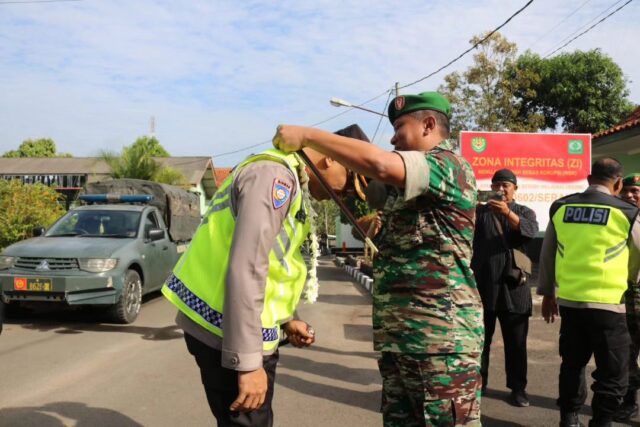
[327,212]
[43,147]
[136,161]
[582,92]
[482,98]
[357,207]
[23,207]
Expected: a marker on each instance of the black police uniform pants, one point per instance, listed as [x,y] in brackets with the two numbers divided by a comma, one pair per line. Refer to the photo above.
[583,332]
[221,387]
[2,308]
[515,328]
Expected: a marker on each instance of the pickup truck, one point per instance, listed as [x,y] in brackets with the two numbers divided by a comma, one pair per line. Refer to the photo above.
[107,253]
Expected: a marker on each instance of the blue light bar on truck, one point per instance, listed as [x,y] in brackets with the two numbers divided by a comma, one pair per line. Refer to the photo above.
[116,198]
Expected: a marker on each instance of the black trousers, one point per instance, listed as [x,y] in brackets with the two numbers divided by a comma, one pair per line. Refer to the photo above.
[583,332]
[2,308]
[515,328]
[221,387]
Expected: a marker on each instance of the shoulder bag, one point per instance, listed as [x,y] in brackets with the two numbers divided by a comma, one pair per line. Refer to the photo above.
[517,270]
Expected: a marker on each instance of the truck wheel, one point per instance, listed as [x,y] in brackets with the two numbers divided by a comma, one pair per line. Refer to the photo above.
[128,306]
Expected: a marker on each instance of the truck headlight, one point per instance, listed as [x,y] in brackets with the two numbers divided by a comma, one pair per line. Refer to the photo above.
[97,265]
[6,262]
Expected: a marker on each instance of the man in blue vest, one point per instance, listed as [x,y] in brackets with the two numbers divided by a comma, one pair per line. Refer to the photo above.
[591,250]
[240,281]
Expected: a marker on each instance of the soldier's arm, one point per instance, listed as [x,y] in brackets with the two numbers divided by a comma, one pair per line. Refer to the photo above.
[359,156]
[258,222]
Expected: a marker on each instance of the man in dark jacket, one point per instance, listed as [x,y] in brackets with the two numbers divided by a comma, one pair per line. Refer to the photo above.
[501,226]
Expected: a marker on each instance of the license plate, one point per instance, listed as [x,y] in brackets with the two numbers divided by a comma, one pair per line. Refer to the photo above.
[35,284]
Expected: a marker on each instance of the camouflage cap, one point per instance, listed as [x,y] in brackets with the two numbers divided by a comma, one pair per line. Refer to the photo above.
[423,101]
[631,179]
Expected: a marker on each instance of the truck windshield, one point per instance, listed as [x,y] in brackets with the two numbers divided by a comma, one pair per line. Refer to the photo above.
[92,223]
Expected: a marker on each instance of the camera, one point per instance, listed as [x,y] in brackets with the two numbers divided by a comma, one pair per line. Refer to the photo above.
[485,196]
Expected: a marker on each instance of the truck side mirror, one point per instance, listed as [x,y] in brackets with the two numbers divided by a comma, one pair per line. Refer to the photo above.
[38,231]
[155,234]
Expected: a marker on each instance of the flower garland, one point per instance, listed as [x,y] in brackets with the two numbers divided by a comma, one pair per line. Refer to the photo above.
[312,285]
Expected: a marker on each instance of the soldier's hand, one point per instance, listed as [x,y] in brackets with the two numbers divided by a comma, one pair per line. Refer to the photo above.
[252,391]
[289,138]
[300,334]
[549,309]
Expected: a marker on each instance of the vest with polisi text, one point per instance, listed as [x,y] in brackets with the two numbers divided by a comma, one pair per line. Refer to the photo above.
[197,285]
[592,253]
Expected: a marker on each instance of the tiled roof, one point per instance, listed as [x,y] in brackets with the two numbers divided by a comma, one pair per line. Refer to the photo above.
[630,122]
[221,174]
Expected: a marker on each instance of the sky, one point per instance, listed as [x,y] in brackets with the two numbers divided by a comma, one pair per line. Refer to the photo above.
[219,76]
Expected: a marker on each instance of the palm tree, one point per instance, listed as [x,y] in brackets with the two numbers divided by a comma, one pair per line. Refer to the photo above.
[136,161]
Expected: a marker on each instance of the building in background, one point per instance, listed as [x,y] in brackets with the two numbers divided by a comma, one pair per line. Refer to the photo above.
[69,174]
[621,141]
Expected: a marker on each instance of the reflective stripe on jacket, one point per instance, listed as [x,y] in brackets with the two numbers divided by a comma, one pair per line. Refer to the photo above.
[592,254]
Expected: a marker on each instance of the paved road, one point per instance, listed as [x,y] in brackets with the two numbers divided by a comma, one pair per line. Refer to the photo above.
[62,368]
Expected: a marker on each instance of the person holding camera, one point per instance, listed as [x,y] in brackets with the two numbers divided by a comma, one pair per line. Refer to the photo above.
[503,227]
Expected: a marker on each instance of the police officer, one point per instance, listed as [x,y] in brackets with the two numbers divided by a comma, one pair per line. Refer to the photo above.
[590,250]
[427,313]
[629,409]
[241,279]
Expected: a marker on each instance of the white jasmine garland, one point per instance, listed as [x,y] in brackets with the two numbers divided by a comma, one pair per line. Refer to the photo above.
[312,285]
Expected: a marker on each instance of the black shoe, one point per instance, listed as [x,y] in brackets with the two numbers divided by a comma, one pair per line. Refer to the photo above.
[570,419]
[626,412]
[519,398]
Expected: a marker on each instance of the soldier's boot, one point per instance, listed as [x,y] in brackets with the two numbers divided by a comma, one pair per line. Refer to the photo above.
[570,419]
[629,407]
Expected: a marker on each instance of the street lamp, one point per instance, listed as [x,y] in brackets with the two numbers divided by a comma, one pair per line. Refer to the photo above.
[337,102]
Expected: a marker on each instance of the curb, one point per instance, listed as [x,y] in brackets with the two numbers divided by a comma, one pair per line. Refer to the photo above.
[357,275]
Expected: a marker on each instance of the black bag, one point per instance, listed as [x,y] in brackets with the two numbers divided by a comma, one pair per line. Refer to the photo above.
[518,268]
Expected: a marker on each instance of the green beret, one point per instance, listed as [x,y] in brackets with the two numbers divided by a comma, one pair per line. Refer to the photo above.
[631,179]
[423,101]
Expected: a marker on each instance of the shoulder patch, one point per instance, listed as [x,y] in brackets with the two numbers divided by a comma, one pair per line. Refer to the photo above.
[280,193]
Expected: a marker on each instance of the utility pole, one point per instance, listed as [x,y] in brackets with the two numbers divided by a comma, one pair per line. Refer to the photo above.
[397,88]
[152,126]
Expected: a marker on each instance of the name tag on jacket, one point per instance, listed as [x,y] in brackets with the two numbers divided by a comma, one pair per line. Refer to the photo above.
[586,215]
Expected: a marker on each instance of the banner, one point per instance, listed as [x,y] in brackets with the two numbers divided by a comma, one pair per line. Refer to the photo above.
[548,166]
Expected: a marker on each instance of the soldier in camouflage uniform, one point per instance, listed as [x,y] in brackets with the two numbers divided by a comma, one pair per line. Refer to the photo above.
[427,312]
[629,409]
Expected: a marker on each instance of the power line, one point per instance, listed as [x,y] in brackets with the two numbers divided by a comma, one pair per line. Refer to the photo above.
[401,87]
[373,139]
[580,28]
[36,1]
[559,23]
[471,48]
[248,147]
[590,28]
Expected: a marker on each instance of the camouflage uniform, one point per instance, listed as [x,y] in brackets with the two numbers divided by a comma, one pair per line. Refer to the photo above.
[632,300]
[427,312]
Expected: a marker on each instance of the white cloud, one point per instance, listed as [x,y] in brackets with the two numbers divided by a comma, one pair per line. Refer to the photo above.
[220,75]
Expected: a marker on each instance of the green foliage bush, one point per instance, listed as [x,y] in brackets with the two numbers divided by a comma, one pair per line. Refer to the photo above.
[23,207]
